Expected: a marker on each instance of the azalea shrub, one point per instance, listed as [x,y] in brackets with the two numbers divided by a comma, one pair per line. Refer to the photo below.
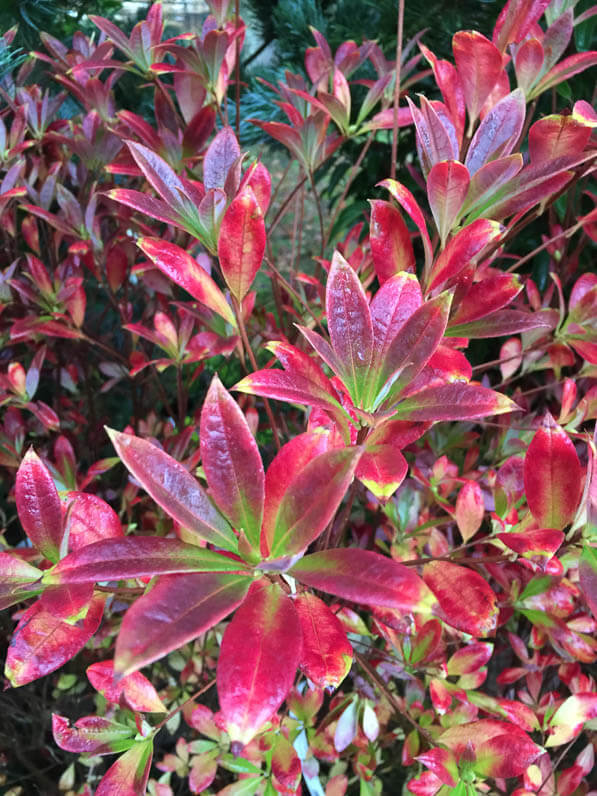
[305,505]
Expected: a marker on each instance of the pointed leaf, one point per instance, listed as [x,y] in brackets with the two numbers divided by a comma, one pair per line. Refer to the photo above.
[382,469]
[499,131]
[454,402]
[221,155]
[479,65]
[505,756]
[311,500]
[447,186]
[516,19]
[557,136]
[542,542]
[173,488]
[241,243]
[43,641]
[587,570]
[137,557]
[552,476]
[259,656]
[389,238]
[39,506]
[232,462]
[461,251]
[175,611]
[92,735]
[327,654]
[349,324]
[181,268]
[470,510]
[393,304]
[136,688]
[408,202]
[365,577]
[129,774]
[489,179]
[90,519]
[466,601]
[485,297]
[503,322]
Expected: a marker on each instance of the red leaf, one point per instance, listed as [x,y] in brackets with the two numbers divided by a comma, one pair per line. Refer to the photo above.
[461,251]
[349,324]
[181,268]
[556,136]
[92,735]
[466,601]
[39,506]
[408,202]
[485,297]
[259,656]
[365,577]
[136,688]
[175,611]
[498,132]
[327,654]
[389,238]
[173,488]
[503,322]
[488,180]
[382,469]
[43,642]
[470,510]
[516,19]
[434,142]
[542,542]
[232,462]
[552,476]
[90,519]
[453,402]
[222,154]
[470,659]
[129,774]
[479,65]
[286,767]
[505,756]
[393,304]
[241,243]
[587,571]
[447,186]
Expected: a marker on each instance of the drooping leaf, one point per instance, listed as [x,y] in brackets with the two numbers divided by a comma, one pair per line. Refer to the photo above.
[552,476]
[241,243]
[181,268]
[136,688]
[92,735]
[43,641]
[232,462]
[173,488]
[311,500]
[466,601]
[260,652]
[175,611]
[391,246]
[365,577]
[349,324]
[453,402]
[129,774]
[327,654]
[39,506]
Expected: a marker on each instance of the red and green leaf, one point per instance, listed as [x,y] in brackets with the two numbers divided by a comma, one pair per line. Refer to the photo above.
[466,601]
[241,243]
[391,246]
[327,655]
[136,689]
[92,735]
[129,774]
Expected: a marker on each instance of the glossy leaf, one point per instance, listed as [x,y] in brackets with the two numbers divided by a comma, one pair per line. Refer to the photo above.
[327,655]
[365,577]
[447,186]
[90,519]
[489,179]
[311,500]
[43,641]
[382,469]
[557,136]
[173,488]
[92,735]
[391,246]
[408,202]
[466,601]
[498,133]
[434,142]
[552,476]
[181,268]
[39,506]
[470,510]
[349,324]
[232,462]
[260,652]
[542,542]
[461,251]
[136,688]
[587,570]
[129,774]
[393,304]
[453,402]
[505,756]
[502,323]
[241,243]
[479,65]
[568,720]
[516,19]
[221,155]
[485,297]
[176,610]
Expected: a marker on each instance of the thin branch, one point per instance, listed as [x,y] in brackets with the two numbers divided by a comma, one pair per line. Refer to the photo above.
[397,87]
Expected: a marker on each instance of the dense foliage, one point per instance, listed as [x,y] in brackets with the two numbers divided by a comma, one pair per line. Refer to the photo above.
[356,492]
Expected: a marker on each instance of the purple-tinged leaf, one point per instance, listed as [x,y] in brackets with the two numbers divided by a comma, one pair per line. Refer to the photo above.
[90,519]
[232,462]
[434,142]
[393,304]
[137,557]
[161,177]
[466,601]
[503,322]
[43,641]
[516,19]
[552,476]
[327,654]
[453,402]
[447,186]
[587,571]
[241,243]
[489,179]
[38,506]
[148,205]
[349,324]
[563,71]
[176,610]
[391,246]
[91,735]
[365,577]
[173,488]
[222,154]
[408,203]
[498,133]
[463,250]
[311,500]
[260,652]
[129,774]
[486,296]
[479,64]
[180,267]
